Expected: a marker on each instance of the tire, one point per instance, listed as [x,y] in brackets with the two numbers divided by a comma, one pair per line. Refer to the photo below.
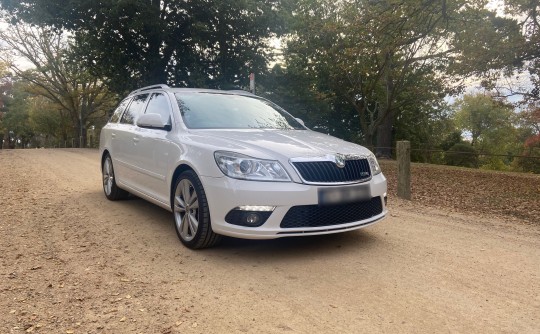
[111,190]
[191,213]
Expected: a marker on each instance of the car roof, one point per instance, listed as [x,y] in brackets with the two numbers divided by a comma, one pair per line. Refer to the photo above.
[194,90]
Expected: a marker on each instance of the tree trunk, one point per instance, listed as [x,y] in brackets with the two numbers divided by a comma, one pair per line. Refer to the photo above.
[368,141]
[157,65]
[81,133]
[10,141]
[384,136]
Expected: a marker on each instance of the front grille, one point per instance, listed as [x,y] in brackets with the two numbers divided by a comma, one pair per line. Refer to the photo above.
[328,172]
[317,216]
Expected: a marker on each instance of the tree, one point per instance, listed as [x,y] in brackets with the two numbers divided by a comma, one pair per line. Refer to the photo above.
[33,121]
[77,95]
[384,58]
[527,50]
[48,122]
[529,124]
[5,89]
[428,128]
[488,120]
[491,125]
[19,133]
[134,43]
[291,89]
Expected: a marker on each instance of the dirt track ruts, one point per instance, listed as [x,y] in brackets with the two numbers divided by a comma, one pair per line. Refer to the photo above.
[73,262]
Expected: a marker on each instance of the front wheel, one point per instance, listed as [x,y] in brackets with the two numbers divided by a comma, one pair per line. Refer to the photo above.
[191,213]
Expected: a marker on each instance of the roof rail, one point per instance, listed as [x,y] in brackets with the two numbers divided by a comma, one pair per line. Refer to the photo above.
[240,91]
[148,88]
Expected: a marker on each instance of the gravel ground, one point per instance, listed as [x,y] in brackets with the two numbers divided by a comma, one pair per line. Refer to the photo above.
[73,262]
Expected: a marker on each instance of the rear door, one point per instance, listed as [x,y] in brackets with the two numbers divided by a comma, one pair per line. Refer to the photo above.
[110,132]
[125,142]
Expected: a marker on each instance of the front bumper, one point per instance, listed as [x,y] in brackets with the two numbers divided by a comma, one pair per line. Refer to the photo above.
[224,194]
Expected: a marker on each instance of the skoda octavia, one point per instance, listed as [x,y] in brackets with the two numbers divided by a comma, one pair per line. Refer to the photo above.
[232,163]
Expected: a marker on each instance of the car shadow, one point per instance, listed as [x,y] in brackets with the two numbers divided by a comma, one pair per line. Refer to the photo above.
[288,247]
[297,247]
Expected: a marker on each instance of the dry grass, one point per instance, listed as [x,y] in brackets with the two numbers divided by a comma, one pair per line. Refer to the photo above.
[515,195]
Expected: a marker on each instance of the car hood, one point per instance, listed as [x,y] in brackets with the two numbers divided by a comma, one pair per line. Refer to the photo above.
[280,144]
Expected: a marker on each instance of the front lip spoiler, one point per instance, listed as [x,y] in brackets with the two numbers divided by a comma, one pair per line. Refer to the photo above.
[335,229]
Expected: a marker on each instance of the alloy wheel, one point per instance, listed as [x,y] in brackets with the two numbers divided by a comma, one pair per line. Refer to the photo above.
[108,176]
[186,210]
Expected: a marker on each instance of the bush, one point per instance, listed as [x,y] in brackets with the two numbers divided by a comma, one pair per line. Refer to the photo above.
[494,163]
[461,154]
[451,139]
[427,156]
[528,162]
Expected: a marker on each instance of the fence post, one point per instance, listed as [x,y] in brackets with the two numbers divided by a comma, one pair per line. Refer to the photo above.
[404,169]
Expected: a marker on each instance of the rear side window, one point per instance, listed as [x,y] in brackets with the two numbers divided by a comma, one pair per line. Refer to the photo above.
[159,104]
[119,110]
[134,109]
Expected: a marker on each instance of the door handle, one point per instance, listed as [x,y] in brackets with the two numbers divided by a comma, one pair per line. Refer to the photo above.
[136,139]
[113,135]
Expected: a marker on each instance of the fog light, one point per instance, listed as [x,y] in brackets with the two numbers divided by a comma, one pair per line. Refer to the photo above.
[252,219]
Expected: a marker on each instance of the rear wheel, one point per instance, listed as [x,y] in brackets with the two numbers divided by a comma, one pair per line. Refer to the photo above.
[191,213]
[110,188]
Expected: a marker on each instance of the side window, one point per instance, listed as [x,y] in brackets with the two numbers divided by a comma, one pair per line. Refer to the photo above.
[159,104]
[134,109]
[119,110]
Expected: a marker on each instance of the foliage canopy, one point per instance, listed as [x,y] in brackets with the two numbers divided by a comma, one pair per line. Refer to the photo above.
[385,59]
[133,43]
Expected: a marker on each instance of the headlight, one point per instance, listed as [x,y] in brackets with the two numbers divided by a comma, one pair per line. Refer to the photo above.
[240,166]
[375,168]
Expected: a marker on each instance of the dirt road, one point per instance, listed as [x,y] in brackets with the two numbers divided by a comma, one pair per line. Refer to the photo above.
[73,262]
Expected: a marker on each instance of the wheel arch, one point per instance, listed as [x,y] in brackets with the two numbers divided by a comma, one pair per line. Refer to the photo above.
[176,174]
[103,155]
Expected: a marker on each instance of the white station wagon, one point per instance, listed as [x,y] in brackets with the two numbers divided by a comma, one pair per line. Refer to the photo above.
[232,163]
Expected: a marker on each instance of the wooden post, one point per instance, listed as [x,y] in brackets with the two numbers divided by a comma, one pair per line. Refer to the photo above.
[404,169]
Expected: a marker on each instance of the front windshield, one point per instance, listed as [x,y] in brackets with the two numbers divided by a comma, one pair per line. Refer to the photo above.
[204,110]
